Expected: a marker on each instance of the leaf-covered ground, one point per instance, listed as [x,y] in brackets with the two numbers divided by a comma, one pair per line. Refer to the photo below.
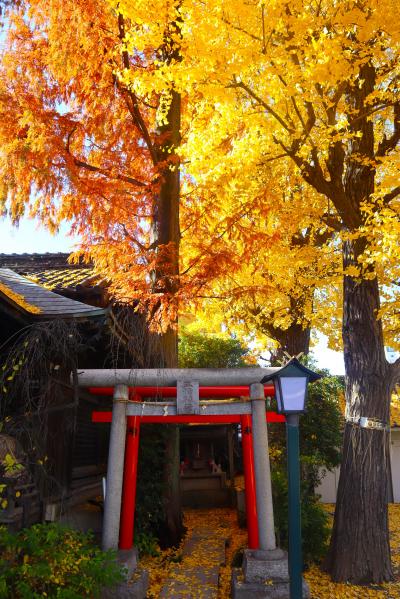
[323,588]
[224,523]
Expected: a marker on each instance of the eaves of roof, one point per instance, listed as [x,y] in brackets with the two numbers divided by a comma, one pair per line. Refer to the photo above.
[38,302]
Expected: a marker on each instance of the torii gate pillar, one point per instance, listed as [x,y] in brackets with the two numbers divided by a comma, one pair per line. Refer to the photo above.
[265,510]
[115,469]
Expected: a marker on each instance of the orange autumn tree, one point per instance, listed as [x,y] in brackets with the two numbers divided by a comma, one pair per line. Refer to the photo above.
[90,125]
[91,121]
[79,144]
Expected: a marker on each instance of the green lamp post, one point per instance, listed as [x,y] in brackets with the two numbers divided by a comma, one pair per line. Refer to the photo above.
[291,383]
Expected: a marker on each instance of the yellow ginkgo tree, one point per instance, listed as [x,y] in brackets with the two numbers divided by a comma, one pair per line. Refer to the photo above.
[317,83]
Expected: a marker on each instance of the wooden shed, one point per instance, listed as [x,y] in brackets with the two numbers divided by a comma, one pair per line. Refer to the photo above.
[39,292]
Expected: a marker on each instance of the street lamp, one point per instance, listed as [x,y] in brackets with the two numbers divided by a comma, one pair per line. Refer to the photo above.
[291,383]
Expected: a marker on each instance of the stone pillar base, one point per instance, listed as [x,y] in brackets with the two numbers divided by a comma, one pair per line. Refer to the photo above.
[137,582]
[265,575]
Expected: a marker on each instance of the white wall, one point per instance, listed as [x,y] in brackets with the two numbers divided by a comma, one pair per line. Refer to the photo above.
[395,462]
[328,487]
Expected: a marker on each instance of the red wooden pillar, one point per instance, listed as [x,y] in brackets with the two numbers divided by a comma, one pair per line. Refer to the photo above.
[249,481]
[126,528]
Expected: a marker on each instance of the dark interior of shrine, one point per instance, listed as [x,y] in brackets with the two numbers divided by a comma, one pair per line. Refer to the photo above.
[210,457]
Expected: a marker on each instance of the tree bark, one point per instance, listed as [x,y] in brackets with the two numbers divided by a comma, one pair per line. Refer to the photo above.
[166,281]
[295,339]
[359,550]
[292,341]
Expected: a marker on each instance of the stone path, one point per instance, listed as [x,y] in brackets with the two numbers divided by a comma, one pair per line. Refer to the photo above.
[196,576]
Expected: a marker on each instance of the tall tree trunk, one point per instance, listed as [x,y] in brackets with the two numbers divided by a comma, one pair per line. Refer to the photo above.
[292,341]
[295,339]
[359,551]
[166,281]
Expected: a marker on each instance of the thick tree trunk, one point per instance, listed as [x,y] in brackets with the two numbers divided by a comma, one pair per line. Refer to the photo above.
[292,341]
[359,551]
[295,339]
[166,281]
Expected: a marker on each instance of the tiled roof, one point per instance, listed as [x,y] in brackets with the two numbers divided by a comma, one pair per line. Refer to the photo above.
[30,298]
[53,271]
[64,278]
[25,263]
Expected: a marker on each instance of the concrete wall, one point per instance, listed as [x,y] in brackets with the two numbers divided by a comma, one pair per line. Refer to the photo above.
[395,461]
[328,487]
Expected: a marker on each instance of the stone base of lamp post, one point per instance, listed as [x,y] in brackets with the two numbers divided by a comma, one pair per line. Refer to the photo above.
[264,575]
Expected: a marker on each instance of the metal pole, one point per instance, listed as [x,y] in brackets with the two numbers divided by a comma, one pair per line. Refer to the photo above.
[126,533]
[293,469]
[115,466]
[265,510]
[249,482]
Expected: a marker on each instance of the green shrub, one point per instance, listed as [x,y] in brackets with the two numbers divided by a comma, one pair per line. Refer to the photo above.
[147,544]
[197,350]
[49,560]
[320,441]
[150,508]
[314,519]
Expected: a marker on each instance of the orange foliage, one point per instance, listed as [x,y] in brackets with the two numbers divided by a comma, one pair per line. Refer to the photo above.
[84,140]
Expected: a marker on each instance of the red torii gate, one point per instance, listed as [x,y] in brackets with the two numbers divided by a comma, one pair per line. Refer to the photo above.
[136,394]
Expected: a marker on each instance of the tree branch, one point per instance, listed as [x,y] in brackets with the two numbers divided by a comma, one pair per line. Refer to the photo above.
[395,371]
[131,99]
[140,245]
[391,195]
[97,169]
[333,222]
[106,173]
[262,103]
[389,144]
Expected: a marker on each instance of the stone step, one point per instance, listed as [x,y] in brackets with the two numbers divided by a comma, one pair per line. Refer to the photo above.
[210,498]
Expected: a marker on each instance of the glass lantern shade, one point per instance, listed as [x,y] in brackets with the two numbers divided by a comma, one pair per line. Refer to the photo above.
[291,394]
[291,383]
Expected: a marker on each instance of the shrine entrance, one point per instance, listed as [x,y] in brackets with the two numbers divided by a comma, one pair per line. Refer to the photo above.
[208,453]
[240,402]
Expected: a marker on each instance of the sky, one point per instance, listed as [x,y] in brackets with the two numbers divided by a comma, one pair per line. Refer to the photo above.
[31,238]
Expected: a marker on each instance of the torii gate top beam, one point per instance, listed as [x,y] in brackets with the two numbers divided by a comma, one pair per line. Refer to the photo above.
[165,377]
